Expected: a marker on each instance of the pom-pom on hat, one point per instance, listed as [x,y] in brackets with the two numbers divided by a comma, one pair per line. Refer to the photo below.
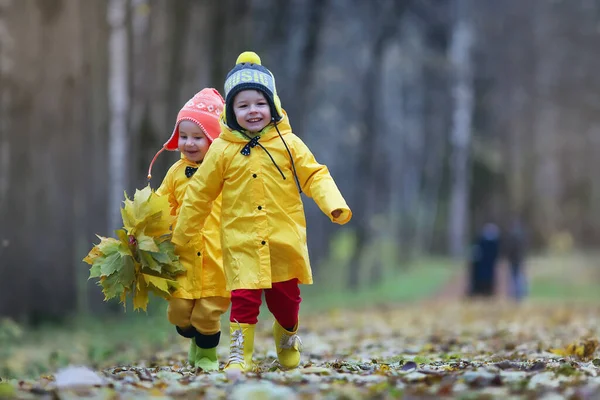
[204,109]
[249,73]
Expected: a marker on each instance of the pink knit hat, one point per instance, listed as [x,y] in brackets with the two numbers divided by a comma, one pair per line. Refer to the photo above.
[204,109]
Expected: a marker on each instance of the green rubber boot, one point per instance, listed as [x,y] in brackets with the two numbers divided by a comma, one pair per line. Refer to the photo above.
[206,359]
[192,353]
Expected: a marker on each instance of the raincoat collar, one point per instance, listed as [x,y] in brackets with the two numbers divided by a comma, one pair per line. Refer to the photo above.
[268,133]
[188,162]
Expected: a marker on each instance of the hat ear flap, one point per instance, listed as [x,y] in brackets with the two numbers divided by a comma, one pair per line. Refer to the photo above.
[228,117]
[277,103]
[223,115]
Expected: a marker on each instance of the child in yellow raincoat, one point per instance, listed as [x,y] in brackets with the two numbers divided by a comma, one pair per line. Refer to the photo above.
[261,168]
[197,305]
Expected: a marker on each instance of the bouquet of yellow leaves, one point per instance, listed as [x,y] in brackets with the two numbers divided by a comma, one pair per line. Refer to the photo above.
[141,259]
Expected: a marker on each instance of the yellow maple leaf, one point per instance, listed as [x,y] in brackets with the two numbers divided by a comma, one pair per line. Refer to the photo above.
[123,297]
[148,214]
[142,197]
[107,244]
[159,283]
[147,243]
[583,350]
[140,297]
[122,235]
[159,224]
[383,369]
[92,255]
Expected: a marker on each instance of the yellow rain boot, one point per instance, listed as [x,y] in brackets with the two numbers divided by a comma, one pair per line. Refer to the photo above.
[241,348]
[288,346]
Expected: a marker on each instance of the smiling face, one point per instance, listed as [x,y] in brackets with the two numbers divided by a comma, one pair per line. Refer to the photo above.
[252,110]
[193,143]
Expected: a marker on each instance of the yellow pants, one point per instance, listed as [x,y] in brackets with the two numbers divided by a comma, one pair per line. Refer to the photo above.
[203,314]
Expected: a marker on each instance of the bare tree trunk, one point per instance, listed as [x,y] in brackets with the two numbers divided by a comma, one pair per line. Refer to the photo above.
[7,239]
[77,91]
[7,45]
[462,92]
[371,166]
[436,149]
[138,79]
[310,49]
[414,138]
[119,110]
[95,181]
[393,141]
[47,160]
[593,148]
[547,117]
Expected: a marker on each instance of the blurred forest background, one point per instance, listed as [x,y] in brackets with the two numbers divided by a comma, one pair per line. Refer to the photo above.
[434,117]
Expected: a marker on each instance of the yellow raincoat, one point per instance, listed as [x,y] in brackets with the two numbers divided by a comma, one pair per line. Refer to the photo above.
[263,230]
[202,256]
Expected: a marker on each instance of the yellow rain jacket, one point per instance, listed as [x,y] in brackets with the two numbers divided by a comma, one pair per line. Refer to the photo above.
[202,256]
[263,230]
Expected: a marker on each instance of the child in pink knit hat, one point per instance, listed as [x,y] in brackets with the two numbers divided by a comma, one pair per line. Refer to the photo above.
[197,305]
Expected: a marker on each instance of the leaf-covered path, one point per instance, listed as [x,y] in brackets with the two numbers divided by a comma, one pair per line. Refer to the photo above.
[429,350]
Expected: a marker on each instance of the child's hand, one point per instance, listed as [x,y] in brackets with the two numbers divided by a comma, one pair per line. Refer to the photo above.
[336,213]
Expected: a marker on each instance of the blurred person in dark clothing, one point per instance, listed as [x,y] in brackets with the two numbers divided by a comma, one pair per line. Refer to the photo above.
[484,258]
[515,250]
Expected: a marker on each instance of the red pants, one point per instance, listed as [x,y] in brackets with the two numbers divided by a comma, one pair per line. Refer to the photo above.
[283,300]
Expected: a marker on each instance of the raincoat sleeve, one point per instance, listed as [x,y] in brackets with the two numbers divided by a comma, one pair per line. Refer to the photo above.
[317,183]
[167,188]
[204,187]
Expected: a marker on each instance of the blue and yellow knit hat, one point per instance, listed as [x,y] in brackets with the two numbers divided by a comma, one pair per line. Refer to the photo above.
[249,73]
